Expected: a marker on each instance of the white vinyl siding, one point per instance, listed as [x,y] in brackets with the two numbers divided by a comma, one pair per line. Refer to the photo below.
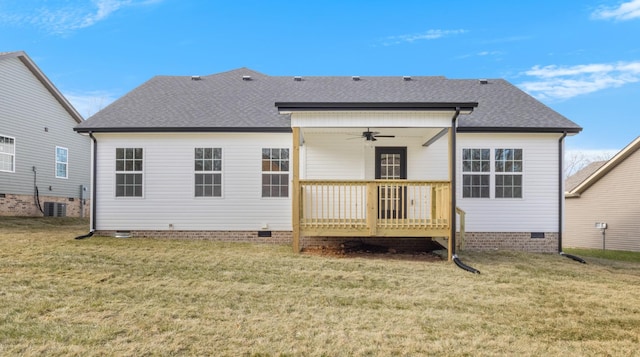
[62,162]
[537,210]
[169,184]
[7,153]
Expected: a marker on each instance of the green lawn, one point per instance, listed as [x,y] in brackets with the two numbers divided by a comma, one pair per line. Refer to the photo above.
[605,254]
[109,296]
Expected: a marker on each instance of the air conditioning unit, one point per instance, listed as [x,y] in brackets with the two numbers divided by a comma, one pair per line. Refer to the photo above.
[55,209]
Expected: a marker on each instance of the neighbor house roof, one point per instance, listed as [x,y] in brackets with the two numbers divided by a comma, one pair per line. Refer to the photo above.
[600,172]
[574,180]
[26,60]
[244,100]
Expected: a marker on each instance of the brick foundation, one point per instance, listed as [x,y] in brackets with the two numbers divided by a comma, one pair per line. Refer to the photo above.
[25,205]
[474,241]
[518,241]
[277,237]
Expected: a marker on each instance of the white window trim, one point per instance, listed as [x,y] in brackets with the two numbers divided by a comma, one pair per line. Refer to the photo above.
[485,173]
[492,174]
[221,172]
[288,172]
[115,182]
[13,155]
[57,162]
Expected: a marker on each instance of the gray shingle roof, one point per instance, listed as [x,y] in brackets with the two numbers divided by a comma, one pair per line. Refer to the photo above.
[226,101]
[574,180]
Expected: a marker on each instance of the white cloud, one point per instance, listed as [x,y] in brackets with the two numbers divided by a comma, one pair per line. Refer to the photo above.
[626,11]
[61,18]
[87,104]
[428,35]
[563,82]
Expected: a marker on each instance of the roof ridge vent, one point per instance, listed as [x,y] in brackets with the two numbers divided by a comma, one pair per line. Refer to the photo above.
[355,78]
[483,81]
[297,78]
[246,78]
[406,78]
[196,78]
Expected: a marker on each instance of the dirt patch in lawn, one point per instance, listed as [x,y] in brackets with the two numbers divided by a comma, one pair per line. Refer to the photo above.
[358,249]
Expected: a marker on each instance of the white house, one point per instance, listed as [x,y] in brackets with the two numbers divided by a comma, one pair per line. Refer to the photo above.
[44,164]
[241,155]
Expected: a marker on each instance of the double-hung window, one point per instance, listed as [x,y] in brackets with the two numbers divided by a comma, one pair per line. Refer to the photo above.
[275,172]
[476,173]
[508,164]
[481,171]
[129,171]
[62,162]
[208,172]
[7,153]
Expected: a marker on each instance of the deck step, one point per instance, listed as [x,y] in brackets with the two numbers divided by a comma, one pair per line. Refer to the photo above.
[444,242]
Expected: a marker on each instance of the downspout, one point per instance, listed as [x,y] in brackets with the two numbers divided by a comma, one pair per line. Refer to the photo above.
[560,186]
[452,232]
[452,227]
[561,199]
[93,189]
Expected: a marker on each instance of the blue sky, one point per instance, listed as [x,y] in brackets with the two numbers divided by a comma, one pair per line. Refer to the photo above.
[581,58]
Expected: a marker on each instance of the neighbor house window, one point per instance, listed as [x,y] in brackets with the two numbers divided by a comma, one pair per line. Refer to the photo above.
[508,168]
[476,173]
[208,172]
[62,162]
[129,172]
[7,154]
[275,172]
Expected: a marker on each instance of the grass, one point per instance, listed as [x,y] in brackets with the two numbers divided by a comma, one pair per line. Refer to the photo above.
[606,254]
[109,296]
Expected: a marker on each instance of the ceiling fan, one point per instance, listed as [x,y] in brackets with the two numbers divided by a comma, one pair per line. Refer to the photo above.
[374,135]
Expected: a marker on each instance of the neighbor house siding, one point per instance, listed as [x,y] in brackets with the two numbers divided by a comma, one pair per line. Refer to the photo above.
[613,199]
[537,210]
[39,123]
[168,200]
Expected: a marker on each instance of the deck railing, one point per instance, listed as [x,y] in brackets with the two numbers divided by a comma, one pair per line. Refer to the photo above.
[375,208]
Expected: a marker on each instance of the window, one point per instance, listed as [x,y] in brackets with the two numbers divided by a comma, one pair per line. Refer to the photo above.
[7,153]
[508,167]
[275,172]
[208,172]
[62,162]
[128,172]
[480,171]
[476,168]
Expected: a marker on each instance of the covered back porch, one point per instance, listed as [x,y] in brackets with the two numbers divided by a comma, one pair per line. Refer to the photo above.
[383,172]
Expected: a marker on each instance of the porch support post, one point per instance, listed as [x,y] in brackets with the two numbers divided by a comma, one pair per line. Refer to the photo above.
[452,180]
[295,199]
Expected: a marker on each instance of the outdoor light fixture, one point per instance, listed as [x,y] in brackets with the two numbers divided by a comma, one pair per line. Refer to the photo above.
[602,226]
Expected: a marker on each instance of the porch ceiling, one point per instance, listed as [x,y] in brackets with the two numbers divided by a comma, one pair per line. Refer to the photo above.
[356,132]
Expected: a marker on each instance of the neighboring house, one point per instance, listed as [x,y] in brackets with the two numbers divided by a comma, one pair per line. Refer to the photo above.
[607,193]
[242,155]
[44,164]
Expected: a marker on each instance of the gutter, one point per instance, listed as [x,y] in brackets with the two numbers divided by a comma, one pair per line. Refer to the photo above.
[94,175]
